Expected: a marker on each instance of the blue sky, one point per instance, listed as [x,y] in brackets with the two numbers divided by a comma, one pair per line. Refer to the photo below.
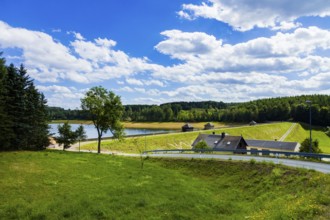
[153,52]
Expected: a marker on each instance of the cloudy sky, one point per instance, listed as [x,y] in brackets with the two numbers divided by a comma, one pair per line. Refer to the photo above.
[158,51]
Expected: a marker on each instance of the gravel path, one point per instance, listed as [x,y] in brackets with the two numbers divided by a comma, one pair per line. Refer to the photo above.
[288,132]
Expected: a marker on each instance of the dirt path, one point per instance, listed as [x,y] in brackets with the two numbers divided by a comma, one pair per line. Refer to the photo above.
[288,132]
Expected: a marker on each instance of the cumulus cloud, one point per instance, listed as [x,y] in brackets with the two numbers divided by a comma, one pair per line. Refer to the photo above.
[244,15]
[283,64]
[257,68]
[83,62]
[56,94]
[183,45]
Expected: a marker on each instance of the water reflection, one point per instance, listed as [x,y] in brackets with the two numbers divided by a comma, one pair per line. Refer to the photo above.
[92,133]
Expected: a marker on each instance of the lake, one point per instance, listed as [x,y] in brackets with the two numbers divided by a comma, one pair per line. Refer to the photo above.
[92,133]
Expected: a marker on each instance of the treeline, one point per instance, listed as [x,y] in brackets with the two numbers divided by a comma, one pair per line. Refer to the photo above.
[281,109]
[273,109]
[23,113]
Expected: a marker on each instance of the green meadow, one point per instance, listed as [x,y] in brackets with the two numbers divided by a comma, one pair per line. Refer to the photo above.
[183,140]
[66,185]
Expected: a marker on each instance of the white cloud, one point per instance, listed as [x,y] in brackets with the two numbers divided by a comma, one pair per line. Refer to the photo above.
[280,65]
[126,89]
[261,67]
[244,15]
[56,30]
[133,81]
[83,62]
[57,94]
[182,45]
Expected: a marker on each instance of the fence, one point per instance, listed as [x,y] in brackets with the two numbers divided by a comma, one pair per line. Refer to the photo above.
[241,151]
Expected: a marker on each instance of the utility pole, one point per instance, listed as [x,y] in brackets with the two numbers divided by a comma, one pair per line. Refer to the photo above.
[310,125]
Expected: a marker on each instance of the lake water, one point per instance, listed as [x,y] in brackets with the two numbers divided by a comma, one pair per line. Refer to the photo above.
[92,133]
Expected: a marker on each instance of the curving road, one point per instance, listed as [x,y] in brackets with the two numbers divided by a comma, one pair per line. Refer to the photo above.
[321,167]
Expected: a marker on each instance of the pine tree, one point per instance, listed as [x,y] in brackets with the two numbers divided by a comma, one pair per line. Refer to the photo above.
[6,131]
[23,112]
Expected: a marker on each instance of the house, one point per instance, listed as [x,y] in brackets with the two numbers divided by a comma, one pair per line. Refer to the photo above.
[187,127]
[274,145]
[208,126]
[222,142]
[252,123]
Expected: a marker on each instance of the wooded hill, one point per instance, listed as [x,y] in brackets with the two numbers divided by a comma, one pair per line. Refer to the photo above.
[273,109]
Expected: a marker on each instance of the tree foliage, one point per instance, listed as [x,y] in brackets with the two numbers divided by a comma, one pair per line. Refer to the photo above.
[66,137]
[202,145]
[305,145]
[81,134]
[262,110]
[105,109]
[23,115]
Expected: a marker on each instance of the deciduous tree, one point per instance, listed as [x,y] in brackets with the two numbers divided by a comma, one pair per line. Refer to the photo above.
[106,111]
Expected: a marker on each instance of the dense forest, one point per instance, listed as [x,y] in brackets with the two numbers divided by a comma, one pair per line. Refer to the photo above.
[23,113]
[273,109]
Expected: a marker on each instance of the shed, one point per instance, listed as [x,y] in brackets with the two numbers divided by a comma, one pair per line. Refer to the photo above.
[208,126]
[187,127]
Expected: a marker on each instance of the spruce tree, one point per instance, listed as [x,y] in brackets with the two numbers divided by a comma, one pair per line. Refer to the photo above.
[23,114]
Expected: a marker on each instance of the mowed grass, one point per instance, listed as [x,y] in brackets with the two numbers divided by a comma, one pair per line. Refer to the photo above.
[64,185]
[301,132]
[183,140]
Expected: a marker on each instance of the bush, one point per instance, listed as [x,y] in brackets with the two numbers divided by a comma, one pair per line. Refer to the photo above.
[305,146]
[202,145]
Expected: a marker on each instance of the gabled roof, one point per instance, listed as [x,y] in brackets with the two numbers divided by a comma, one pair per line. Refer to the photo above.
[230,142]
[217,142]
[187,125]
[276,145]
[211,140]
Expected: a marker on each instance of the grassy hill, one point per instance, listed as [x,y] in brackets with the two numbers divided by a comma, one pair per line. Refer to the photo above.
[64,185]
[183,140]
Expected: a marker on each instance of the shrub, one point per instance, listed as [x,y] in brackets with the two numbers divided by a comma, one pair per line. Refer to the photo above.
[202,145]
[305,146]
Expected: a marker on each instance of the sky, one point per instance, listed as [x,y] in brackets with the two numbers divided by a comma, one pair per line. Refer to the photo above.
[160,51]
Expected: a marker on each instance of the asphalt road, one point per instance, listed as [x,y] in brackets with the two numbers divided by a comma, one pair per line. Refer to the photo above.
[321,167]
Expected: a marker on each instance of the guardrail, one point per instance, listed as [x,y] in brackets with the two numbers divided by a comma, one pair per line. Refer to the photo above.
[241,151]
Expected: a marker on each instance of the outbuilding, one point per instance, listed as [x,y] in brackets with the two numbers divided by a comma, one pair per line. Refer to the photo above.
[208,126]
[187,127]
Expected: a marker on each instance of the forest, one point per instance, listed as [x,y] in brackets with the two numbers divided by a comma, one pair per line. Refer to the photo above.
[272,109]
[23,114]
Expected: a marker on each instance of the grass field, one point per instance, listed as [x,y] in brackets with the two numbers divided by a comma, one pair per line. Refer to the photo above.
[183,140]
[64,185]
[301,131]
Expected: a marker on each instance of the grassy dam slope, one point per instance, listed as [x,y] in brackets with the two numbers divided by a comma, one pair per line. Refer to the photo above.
[66,185]
[183,140]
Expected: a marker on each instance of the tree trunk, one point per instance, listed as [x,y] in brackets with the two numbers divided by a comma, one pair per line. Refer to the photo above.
[99,144]
[99,136]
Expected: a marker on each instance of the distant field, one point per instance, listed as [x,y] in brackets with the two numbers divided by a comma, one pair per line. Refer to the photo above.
[71,121]
[168,125]
[64,185]
[183,140]
[149,125]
